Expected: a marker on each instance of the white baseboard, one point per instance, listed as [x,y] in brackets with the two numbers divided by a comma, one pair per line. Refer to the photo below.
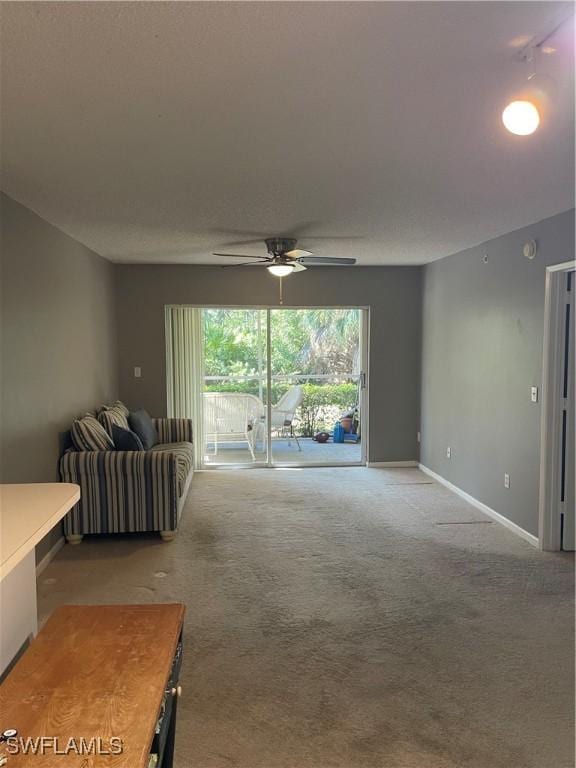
[529,537]
[392,464]
[50,555]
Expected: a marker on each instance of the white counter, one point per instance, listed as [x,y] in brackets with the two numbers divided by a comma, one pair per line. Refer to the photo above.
[27,513]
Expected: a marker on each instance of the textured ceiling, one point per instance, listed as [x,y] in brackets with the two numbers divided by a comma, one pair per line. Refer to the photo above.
[158,132]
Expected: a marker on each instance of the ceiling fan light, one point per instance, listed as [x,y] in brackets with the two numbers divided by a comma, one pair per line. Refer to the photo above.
[280,270]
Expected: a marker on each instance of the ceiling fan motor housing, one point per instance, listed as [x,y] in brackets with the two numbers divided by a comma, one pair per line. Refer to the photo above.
[278,246]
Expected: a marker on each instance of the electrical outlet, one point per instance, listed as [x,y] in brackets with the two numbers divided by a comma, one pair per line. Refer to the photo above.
[448,452]
[137,372]
[506,480]
[534,394]
[418,436]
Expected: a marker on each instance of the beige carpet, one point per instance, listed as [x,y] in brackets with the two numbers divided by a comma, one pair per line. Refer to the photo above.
[334,620]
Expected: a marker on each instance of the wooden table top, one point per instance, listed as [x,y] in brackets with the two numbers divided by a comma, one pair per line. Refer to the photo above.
[93,671]
[27,512]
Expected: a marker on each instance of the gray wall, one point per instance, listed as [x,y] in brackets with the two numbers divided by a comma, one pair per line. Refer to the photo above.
[393,294]
[58,343]
[482,351]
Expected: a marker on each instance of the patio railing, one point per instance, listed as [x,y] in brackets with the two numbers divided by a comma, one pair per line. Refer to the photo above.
[293,377]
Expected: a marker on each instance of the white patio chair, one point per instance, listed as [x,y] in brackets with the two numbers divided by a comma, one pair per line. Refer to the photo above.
[231,417]
[282,416]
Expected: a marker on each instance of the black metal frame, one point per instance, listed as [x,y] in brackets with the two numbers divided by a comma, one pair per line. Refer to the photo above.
[165,736]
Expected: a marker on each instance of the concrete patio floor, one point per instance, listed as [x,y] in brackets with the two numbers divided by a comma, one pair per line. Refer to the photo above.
[285,452]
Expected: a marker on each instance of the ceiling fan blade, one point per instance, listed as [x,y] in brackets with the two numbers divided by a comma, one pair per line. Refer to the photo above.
[297,267]
[317,260]
[260,263]
[297,253]
[237,255]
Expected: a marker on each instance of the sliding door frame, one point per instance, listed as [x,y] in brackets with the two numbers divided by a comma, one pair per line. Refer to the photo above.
[363,391]
[269,463]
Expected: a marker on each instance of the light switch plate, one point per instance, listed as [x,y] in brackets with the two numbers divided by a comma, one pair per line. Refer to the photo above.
[506,480]
[137,372]
[448,452]
[534,394]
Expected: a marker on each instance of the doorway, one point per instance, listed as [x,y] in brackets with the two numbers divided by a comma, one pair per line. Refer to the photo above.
[283,387]
[557,500]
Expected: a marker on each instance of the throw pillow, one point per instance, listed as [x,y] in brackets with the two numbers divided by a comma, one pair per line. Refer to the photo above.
[89,435]
[125,439]
[118,406]
[113,414]
[141,423]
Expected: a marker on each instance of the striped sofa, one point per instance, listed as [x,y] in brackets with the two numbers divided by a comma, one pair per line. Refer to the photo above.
[131,491]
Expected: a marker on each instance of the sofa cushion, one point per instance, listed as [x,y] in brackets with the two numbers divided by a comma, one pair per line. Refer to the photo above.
[89,435]
[115,414]
[184,453]
[125,439]
[141,423]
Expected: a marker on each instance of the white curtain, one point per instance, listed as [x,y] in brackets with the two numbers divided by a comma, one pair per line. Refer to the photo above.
[185,370]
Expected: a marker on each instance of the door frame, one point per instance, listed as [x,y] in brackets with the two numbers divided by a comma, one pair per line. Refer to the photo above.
[364,396]
[549,528]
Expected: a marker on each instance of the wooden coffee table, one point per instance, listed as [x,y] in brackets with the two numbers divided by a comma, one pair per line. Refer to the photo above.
[106,674]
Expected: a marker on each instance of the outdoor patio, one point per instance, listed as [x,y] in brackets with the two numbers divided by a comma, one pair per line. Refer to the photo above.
[284,453]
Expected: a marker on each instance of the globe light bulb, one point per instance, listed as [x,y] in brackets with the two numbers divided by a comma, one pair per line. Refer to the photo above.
[521,118]
[280,270]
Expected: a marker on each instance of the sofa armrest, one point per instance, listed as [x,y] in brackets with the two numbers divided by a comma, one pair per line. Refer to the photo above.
[174,430]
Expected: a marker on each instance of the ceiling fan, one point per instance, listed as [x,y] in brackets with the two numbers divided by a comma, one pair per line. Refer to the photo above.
[284,258]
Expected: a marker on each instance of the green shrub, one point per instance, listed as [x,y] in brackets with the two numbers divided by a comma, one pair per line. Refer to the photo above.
[247,388]
[323,404]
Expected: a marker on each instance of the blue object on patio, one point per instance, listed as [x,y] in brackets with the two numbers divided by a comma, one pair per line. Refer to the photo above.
[338,435]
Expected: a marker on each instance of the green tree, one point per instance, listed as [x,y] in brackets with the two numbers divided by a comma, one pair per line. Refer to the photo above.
[304,341]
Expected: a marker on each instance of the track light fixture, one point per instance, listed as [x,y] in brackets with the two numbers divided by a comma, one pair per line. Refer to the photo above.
[521,116]
[532,102]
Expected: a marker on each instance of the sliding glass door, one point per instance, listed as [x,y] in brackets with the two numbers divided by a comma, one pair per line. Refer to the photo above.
[235,386]
[316,390]
[275,387]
